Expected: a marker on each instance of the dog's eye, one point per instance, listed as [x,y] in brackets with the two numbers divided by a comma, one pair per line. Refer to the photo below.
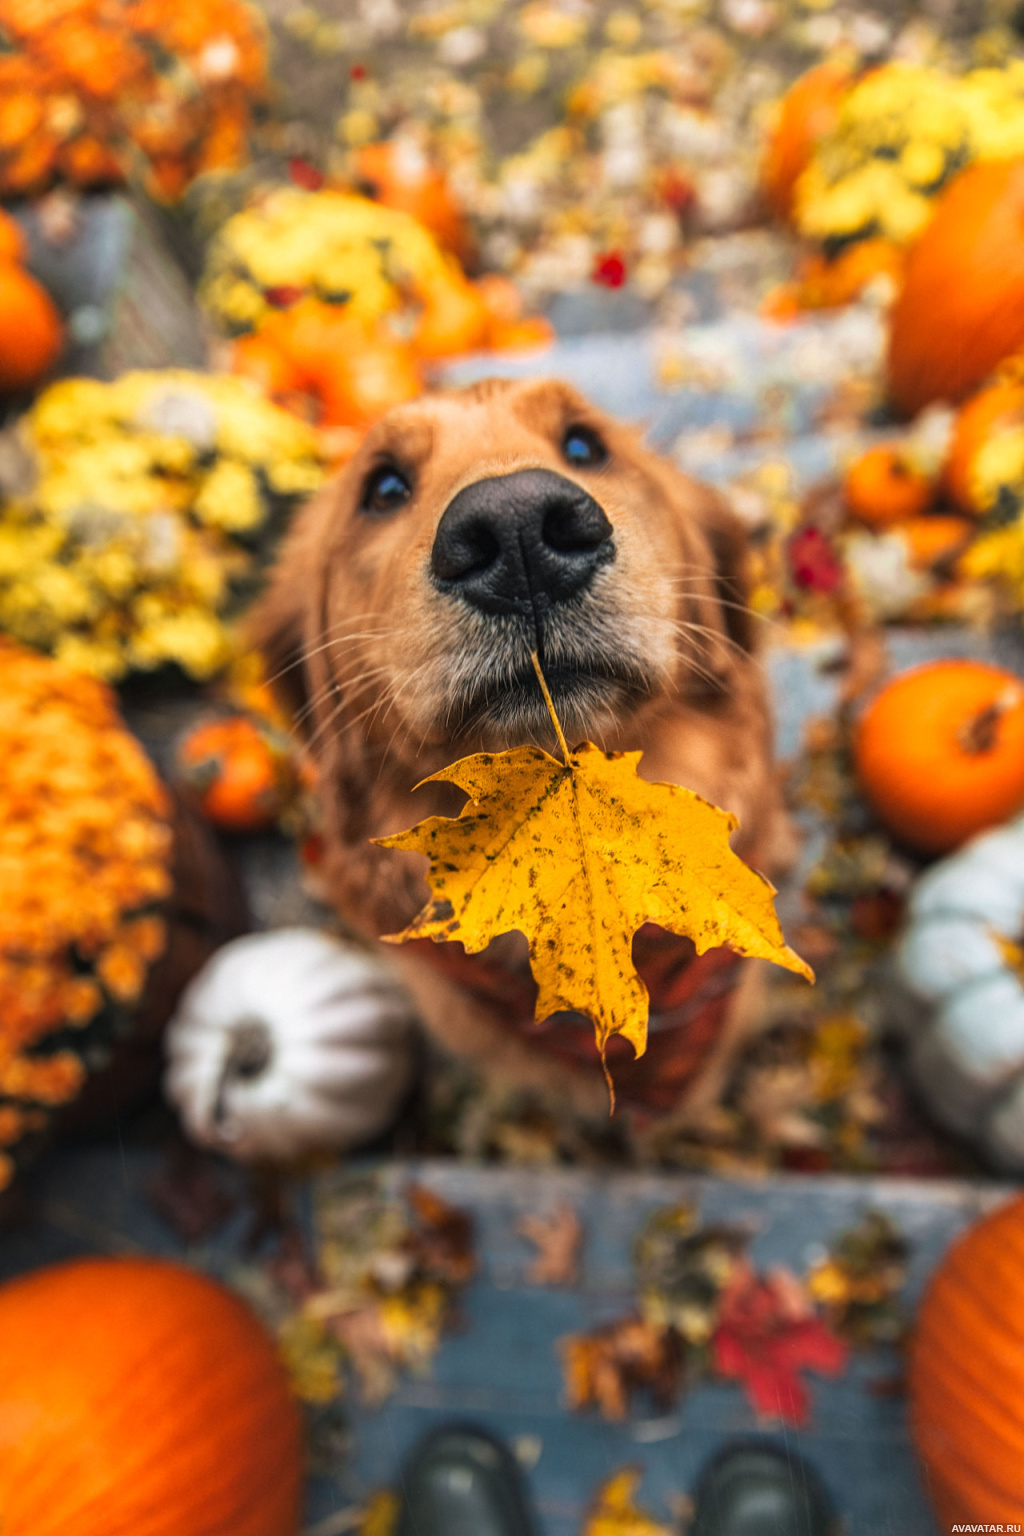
[386,489]
[583,448]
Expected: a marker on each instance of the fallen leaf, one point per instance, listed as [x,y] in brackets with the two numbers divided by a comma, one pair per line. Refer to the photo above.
[767,1333]
[578,855]
[557,1239]
[603,1368]
[614,1513]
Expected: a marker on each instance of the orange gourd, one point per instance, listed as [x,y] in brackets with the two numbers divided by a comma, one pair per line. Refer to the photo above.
[883,487]
[241,777]
[399,175]
[30,329]
[824,283]
[935,539]
[939,752]
[12,239]
[992,410]
[139,1398]
[966,1377]
[354,371]
[961,308]
[454,318]
[806,113]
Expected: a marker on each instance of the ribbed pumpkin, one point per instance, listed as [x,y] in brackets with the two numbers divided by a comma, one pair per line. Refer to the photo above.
[961,308]
[806,113]
[939,752]
[138,1398]
[967,1377]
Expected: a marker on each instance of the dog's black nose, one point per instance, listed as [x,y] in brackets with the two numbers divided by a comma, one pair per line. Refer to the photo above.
[511,543]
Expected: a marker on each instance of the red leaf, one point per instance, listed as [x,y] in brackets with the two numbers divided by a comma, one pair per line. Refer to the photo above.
[609,270]
[763,1342]
[813,563]
[305,175]
[283,296]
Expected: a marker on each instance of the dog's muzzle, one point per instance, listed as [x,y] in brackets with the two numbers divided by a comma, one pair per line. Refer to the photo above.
[519,543]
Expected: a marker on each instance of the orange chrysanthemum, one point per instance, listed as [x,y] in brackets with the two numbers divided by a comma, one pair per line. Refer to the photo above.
[85,847]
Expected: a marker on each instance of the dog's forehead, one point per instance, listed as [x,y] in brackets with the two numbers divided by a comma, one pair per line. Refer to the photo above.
[530,406]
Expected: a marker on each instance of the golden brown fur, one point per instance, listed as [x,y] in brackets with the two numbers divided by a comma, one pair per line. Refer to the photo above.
[392,678]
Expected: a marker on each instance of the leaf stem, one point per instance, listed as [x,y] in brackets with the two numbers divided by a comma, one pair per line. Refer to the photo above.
[551,708]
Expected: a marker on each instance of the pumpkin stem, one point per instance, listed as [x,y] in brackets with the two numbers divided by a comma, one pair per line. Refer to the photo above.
[979,734]
[249,1056]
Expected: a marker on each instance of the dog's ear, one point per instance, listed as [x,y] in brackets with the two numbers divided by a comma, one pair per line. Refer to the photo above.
[280,623]
[730,551]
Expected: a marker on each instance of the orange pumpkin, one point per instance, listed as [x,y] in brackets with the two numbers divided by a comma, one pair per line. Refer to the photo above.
[354,372]
[992,410]
[12,239]
[808,111]
[882,487]
[828,284]
[398,174]
[30,330]
[139,1398]
[454,318]
[939,752]
[961,308]
[240,776]
[966,1377]
[935,539]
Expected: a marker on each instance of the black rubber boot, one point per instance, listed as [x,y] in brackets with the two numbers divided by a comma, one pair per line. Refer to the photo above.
[761,1490]
[461,1482]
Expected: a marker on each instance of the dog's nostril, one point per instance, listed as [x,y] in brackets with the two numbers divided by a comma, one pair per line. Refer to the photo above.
[573,527]
[469,549]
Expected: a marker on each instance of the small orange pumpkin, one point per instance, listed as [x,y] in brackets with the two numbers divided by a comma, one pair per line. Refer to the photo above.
[30,330]
[939,752]
[240,776]
[966,1377]
[990,411]
[828,284]
[139,1398]
[355,372]
[12,239]
[961,308]
[883,487]
[454,318]
[808,111]
[397,173]
[935,539]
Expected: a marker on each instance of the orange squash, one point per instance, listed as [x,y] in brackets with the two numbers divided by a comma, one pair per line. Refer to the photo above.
[939,752]
[355,372]
[138,1398]
[240,776]
[882,487]
[806,113]
[934,539]
[398,174]
[999,406]
[966,1377]
[30,330]
[961,308]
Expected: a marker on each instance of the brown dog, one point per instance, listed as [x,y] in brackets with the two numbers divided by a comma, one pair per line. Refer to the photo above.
[471,529]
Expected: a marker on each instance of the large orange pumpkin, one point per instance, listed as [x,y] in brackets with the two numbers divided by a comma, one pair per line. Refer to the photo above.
[939,752]
[806,113]
[138,1398]
[30,329]
[961,308]
[992,410]
[966,1377]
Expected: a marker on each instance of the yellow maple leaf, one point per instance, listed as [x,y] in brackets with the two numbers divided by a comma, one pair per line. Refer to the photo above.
[614,1512]
[578,855]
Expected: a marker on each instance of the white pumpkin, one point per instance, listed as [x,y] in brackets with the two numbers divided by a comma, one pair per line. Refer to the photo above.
[966,1032]
[290,1042]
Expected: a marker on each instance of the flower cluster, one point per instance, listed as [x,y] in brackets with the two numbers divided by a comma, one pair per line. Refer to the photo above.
[904,130]
[135,538]
[91,89]
[85,847]
[342,249]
